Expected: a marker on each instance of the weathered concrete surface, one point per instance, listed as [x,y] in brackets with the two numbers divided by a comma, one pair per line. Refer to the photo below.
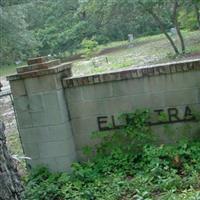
[57,113]
[42,116]
[168,87]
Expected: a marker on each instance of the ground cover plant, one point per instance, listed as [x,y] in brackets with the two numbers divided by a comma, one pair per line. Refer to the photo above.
[127,165]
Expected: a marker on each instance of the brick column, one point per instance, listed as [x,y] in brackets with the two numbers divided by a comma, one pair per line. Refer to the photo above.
[42,113]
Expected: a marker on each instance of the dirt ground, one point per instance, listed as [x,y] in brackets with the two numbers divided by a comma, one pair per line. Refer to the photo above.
[6,109]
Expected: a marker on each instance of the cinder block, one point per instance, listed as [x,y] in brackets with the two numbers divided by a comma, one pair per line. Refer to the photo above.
[55,116]
[42,84]
[39,119]
[55,107]
[54,100]
[170,82]
[116,104]
[181,97]
[156,84]
[53,133]
[128,87]
[85,109]
[84,125]
[18,88]
[74,94]
[29,135]
[99,91]
[46,134]
[34,85]
[59,132]
[31,150]
[24,119]
[36,103]
[56,149]
[21,103]
[50,100]
[61,99]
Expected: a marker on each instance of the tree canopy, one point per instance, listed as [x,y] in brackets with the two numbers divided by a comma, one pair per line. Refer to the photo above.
[30,28]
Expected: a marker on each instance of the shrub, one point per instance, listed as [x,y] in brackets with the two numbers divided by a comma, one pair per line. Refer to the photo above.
[125,170]
[89,47]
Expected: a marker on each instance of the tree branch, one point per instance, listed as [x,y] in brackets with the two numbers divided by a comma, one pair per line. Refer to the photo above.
[197,10]
[175,22]
[161,26]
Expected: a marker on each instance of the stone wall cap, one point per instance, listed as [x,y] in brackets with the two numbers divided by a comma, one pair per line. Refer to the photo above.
[38,60]
[133,73]
[38,66]
[42,72]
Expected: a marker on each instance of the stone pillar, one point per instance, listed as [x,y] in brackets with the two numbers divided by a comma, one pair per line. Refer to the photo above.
[42,113]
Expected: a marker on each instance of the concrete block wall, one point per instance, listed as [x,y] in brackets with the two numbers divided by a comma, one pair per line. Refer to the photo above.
[172,87]
[42,114]
[57,113]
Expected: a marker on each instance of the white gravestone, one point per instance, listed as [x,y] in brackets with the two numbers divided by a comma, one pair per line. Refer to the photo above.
[130,40]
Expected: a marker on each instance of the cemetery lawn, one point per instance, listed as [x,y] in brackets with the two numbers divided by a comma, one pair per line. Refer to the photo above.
[144,51]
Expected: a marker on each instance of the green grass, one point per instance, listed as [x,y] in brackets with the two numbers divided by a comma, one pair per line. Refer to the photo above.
[112,45]
[15,148]
[146,50]
[13,142]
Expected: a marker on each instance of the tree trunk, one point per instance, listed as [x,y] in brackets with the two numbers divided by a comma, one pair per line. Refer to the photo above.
[162,28]
[197,10]
[175,22]
[10,185]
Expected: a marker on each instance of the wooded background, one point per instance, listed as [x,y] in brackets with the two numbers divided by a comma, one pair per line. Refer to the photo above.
[31,28]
